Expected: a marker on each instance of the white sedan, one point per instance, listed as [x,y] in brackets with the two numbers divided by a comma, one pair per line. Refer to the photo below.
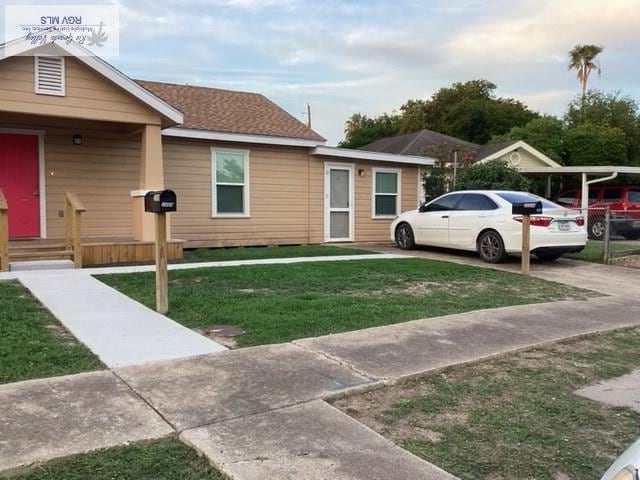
[482,221]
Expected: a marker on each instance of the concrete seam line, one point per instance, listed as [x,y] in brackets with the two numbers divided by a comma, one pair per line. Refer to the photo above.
[391,381]
[319,398]
[337,360]
[148,403]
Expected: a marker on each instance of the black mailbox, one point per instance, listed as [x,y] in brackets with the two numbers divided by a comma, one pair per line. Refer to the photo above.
[527,208]
[160,201]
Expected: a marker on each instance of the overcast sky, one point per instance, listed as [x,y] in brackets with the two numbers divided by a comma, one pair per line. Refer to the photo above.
[370,56]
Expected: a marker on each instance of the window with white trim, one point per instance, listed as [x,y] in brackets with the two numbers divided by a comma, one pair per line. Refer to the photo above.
[230,182]
[386,192]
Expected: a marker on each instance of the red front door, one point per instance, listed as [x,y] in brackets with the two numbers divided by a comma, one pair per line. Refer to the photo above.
[19,182]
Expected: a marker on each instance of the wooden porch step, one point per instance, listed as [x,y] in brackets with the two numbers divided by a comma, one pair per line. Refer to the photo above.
[42,247]
[40,255]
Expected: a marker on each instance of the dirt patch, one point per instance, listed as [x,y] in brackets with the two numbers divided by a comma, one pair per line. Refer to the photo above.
[62,333]
[631,261]
[209,332]
[476,420]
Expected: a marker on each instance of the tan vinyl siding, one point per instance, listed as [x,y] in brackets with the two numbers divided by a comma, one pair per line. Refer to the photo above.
[88,94]
[367,229]
[102,172]
[279,199]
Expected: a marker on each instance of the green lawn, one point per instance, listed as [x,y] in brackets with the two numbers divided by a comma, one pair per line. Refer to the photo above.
[32,342]
[253,253]
[279,303]
[160,460]
[514,417]
[594,249]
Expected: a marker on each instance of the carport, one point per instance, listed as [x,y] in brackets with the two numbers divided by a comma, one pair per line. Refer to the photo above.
[602,173]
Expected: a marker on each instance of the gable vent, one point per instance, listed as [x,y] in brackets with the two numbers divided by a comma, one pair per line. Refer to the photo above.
[50,75]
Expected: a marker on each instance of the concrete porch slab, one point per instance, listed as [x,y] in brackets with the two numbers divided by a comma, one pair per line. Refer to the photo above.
[413,347]
[623,391]
[313,441]
[212,388]
[45,419]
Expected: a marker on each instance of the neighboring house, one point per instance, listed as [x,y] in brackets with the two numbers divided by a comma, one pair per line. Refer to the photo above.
[427,142]
[244,170]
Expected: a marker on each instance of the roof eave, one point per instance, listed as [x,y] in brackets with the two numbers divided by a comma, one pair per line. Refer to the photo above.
[239,137]
[372,156]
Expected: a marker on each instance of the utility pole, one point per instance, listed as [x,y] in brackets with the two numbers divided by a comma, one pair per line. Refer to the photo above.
[455,168]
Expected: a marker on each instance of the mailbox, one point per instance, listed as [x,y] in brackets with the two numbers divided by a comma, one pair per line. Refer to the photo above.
[526,208]
[160,201]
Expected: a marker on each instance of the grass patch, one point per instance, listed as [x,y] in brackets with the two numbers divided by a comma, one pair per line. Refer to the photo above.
[514,417]
[255,253]
[32,342]
[594,249]
[160,460]
[279,303]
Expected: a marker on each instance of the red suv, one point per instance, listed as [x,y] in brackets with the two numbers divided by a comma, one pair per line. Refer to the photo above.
[623,202]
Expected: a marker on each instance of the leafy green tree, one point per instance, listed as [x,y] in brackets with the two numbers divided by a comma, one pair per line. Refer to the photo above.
[492,175]
[590,144]
[544,133]
[612,110]
[361,130]
[436,181]
[582,59]
[470,111]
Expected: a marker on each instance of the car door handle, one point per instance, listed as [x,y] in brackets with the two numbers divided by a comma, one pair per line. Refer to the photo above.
[444,216]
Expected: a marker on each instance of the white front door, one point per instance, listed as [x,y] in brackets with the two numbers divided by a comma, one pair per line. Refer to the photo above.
[338,202]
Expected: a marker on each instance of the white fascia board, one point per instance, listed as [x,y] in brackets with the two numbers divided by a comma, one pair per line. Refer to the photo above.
[592,169]
[239,137]
[373,156]
[525,146]
[111,73]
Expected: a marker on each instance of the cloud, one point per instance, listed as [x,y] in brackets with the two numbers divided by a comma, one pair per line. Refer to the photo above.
[371,56]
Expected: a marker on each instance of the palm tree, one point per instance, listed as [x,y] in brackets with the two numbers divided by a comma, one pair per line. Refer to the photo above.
[583,59]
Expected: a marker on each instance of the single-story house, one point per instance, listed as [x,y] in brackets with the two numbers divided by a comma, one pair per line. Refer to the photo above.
[518,153]
[427,142]
[245,171]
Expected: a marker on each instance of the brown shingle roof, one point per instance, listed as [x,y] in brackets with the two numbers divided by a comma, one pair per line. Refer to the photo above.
[229,111]
[417,143]
[423,141]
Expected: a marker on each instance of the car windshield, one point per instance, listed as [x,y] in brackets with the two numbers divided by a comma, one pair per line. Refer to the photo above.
[522,197]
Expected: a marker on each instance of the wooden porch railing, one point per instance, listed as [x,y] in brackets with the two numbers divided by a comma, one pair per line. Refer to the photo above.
[4,233]
[73,209]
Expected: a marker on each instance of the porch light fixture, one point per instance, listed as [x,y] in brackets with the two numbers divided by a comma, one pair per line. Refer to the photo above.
[77,139]
[361,172]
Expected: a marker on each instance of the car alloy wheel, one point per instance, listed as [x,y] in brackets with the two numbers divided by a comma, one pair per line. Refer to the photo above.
[404,237]
[596,230]
[491,247]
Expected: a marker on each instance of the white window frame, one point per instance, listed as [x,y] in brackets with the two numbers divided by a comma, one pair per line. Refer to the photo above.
[398,194]
[214,184]
[36,78]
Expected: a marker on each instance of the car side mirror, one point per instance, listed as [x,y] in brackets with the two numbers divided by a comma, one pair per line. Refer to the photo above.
[423,208]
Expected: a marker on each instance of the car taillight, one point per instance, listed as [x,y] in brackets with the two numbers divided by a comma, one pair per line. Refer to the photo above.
[536,221]
[580,221]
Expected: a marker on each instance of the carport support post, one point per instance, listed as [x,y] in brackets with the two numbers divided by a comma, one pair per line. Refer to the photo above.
[162,287]
[526,227]
[606,251]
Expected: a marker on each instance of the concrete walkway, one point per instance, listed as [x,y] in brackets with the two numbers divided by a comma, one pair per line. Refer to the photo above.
[120,330]
[259,412]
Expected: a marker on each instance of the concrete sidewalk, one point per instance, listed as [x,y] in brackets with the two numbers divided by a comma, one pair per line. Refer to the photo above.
[119,330]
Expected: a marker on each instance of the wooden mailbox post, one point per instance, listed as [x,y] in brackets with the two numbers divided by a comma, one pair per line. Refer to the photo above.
[526,210]
[160,202]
